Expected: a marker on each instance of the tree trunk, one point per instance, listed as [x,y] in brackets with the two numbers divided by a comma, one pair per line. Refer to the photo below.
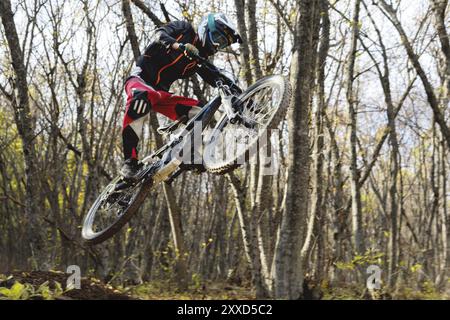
[24,123]
[439,8]
[384,76]
[317,207]
[249,238]
[289,272]
[253,38]
[352,102]
[245,55]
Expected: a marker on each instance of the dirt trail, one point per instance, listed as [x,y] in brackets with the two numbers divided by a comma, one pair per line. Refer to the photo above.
[91,289]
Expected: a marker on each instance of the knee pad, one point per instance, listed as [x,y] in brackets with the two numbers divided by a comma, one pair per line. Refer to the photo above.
[139,105]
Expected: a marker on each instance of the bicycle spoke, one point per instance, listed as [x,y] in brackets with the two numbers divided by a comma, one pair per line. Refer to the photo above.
[258,109]
[108,213]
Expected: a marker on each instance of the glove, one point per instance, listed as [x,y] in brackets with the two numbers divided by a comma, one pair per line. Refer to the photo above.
[190,50]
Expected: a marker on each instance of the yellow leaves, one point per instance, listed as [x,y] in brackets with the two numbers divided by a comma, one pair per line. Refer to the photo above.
[208,242]
[380,133]
[368,258]
[10,133]
[16,292]
[352,23]
[32,92]
[45,291]
[127,233]
[20,291]
[9,73]
[292,15]
[441,90]
[264,11]
[196,281]
[186,15]
[85,169]
[369,202]
[416,268]
[345,265]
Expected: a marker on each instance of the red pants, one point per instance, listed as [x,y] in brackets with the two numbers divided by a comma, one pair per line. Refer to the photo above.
[141,98]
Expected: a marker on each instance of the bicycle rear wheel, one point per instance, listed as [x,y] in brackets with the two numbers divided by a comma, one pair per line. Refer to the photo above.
[113,209]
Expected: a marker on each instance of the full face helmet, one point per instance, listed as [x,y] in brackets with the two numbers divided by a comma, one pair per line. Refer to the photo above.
[216,32]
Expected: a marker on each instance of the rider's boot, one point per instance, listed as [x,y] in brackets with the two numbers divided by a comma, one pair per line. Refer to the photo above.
[130,169]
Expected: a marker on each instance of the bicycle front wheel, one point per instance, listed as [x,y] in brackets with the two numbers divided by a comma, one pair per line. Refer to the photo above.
[264,105]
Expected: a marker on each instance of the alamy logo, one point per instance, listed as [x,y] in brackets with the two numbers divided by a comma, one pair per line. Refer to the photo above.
[374,280]
[74,280]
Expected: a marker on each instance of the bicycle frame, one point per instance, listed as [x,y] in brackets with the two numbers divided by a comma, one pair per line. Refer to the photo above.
[169,164]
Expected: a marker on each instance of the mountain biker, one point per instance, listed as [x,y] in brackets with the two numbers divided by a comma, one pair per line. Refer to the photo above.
[169,58]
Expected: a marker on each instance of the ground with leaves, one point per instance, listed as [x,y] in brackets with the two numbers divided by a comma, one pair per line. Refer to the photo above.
[51,285]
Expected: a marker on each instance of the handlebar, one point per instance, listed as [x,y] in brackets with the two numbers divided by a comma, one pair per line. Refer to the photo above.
[200,59]
[205,62]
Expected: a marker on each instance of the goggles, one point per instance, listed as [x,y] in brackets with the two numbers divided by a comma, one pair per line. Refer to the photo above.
[217,38]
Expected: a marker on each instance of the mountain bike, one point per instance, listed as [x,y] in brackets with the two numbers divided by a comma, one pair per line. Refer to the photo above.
[229,127]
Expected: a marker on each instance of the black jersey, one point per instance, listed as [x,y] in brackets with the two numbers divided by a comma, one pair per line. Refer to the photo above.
[160,65]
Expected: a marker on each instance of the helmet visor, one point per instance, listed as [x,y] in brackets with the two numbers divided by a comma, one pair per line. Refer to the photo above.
[219,40]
